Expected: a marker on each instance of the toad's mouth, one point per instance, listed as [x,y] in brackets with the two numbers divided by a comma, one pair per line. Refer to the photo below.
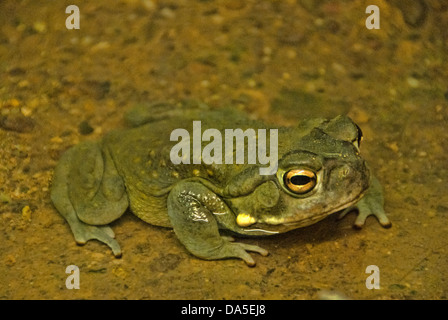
[270,227]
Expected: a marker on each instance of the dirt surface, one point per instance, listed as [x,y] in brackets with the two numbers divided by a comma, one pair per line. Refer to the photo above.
[281,61]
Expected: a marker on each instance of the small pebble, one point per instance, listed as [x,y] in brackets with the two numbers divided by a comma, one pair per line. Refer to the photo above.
[267,51]
[393,146]
[10,260]
[149,5]
[205,83]
[40,27]
[23,84]
[217,19]
[412,82]
[13,102]
[16,122]
[56,139]
[422,154]
[4,198]
[252,83]
[26,111]
[338,68]
[291,54]
[167,13]
[102,45]
[84,128]
[26,213]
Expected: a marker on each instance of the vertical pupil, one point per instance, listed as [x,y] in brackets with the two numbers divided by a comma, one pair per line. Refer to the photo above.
[300,180]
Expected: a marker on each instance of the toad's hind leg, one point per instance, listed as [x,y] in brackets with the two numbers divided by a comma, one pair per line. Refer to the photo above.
[88,193]
[192,209]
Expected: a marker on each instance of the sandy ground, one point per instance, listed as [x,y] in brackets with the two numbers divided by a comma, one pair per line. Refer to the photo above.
[279,60]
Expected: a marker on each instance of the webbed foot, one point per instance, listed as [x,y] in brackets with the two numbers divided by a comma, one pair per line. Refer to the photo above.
[240,250]
[365,209]
[371,204]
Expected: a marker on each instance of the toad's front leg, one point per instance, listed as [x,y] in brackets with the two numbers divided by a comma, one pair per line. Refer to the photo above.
[371,204]
[193,211]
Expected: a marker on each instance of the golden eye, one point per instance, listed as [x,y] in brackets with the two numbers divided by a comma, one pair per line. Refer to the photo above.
[300,181]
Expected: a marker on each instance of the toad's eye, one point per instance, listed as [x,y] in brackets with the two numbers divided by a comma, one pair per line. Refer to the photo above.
[300,181]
